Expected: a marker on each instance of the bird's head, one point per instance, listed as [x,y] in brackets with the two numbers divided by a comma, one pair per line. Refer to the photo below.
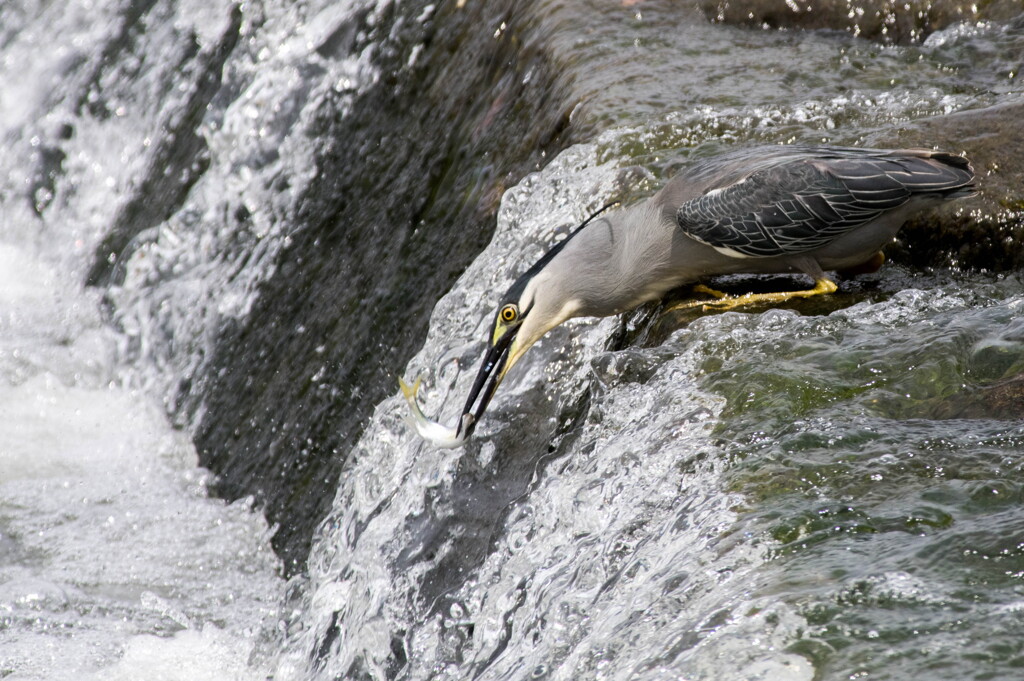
[538,302]
[546,295]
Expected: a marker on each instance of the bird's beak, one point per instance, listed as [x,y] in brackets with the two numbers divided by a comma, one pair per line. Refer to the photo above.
[497,362]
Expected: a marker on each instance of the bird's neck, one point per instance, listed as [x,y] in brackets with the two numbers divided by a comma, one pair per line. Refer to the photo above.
[618,262]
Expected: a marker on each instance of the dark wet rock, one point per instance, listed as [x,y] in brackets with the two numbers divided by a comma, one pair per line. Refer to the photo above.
[405,196]
[178,158]
[1003,400]
[882,20]
[47,166]
[982,233]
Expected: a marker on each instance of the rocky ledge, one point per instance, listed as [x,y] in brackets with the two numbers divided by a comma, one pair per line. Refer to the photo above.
[984,233]
[886,21]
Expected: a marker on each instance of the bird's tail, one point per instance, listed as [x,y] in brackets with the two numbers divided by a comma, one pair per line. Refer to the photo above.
[937,172]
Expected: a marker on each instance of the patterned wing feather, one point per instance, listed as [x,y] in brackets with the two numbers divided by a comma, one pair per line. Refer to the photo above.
[800,205]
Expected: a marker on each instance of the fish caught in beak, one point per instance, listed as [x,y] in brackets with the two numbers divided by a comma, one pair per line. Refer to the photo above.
[441,435]
[495,365]
[530,308]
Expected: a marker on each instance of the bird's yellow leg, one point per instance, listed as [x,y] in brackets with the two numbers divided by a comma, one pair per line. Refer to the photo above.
[726,302]
[699,288]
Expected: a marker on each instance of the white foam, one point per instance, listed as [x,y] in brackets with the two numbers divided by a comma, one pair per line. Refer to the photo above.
[209,654]
[114,562]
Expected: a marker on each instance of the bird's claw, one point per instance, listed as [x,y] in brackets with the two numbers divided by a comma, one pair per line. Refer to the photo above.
[727,302]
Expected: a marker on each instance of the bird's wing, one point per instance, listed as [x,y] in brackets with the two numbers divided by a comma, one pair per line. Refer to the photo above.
[803,204]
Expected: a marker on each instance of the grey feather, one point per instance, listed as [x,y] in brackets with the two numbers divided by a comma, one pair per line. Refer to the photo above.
[810,197]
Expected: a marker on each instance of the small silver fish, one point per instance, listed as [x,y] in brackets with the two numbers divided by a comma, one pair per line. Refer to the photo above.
[441,435]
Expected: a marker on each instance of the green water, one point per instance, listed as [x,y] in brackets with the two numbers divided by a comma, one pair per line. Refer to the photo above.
[872,457]
[821,491]
[877,462]
[889,492]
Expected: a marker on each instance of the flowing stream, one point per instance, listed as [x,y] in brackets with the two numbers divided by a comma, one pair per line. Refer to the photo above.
[827,490]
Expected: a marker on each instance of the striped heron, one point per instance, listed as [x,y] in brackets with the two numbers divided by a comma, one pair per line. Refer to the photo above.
[765,210]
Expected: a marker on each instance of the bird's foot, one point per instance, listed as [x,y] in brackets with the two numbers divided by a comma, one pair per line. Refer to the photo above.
[699,288]
[727,302]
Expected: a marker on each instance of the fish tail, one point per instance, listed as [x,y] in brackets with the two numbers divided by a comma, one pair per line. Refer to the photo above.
[410,391]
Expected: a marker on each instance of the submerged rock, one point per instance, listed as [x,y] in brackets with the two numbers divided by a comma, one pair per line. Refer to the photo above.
[404,197]
[1003,400]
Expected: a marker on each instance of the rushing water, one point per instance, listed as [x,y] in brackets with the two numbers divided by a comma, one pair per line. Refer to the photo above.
[826,491]
[766,495]
[114,563]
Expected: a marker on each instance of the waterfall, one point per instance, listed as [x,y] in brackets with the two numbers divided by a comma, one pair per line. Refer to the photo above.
[228,229]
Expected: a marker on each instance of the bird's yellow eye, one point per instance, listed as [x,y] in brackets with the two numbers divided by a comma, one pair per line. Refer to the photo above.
[509,314]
